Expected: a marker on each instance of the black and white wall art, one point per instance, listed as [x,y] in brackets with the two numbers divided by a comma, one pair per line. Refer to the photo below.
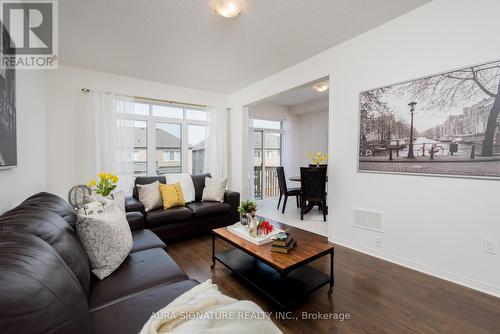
[446,124]
[8,147]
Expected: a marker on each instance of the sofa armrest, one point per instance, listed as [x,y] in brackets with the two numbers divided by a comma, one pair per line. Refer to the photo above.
[132,204]
[135,220]
[233,199]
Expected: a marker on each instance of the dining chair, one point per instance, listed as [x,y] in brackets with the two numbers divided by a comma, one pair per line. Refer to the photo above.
[325,166]
[284,190]
[313,187]
[320,166]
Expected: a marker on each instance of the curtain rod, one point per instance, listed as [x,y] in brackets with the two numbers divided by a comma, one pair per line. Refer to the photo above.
[86,90]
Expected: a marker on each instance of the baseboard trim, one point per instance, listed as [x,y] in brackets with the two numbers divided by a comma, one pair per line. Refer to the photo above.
[429,270]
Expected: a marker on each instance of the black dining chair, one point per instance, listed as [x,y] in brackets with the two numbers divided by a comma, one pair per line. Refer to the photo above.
[313,189]
[325,166]
[320,166]
[284,190]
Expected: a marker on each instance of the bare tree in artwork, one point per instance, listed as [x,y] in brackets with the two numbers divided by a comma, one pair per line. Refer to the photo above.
[446,89]
[371,105]
[377,114]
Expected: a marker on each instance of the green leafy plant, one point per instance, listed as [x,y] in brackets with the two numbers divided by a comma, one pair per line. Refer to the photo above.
[247,207]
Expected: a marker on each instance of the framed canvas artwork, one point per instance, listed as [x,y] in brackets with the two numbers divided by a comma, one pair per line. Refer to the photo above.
[8,146]
[442,125]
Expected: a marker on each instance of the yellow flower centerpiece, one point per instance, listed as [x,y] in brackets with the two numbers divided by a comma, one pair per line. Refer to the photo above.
[106,184]
[318,158]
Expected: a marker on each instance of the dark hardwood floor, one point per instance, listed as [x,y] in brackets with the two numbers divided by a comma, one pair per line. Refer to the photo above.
[379,296]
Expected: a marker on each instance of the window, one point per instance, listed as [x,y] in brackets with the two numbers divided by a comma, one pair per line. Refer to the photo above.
[169,112]
[199,115]
[168,138]
[141,109]
[196,148]
[140,144]
[171,156]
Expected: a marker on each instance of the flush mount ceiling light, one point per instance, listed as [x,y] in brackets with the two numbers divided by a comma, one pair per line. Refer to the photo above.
[228,8]
[321,87]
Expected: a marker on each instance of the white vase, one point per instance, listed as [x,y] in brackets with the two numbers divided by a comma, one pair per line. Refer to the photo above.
[252,229]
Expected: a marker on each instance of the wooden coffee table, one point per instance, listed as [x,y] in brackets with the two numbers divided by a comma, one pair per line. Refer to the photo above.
[286,279]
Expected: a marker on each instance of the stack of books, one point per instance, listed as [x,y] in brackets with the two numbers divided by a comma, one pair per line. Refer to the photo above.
[283,243]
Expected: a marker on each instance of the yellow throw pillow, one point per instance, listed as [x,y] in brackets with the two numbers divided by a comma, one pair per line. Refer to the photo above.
[171,195]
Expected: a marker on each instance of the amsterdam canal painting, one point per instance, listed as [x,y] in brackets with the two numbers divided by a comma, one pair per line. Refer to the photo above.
[447,124]
[8,148]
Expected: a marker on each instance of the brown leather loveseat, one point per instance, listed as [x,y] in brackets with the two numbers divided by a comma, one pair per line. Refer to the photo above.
[46,285]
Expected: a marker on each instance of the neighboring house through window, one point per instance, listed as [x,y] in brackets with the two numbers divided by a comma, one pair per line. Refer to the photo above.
[168,138]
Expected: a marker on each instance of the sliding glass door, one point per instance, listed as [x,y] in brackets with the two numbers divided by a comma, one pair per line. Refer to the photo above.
[258,164]
[267,156]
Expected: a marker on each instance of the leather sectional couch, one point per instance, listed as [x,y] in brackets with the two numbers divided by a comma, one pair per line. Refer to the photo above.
[45,281]
[196,217]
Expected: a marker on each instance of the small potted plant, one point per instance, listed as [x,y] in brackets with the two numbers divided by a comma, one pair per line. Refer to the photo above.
[247,209]
[106,184]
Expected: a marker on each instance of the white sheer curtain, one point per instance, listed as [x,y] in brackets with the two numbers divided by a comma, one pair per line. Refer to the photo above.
[251,158]
[216,148]
[111,137]
[289,146]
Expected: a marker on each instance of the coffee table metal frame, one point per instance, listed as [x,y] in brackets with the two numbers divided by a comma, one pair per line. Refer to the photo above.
[283,273]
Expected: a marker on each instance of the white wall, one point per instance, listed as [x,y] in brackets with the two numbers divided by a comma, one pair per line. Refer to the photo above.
[30,175]
[66,116]
[313,134]
[269,110]
[432,224]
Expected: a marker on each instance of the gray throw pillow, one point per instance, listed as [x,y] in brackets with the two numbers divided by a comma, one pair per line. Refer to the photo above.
[214,190]
[105,235]
[150,196]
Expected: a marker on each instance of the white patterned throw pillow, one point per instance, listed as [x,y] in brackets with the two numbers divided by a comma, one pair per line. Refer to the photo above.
[150,196]
[92,208]
[117,198]
[106,237]
[214,190]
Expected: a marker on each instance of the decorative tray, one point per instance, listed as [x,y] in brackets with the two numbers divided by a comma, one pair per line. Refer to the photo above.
[242,231]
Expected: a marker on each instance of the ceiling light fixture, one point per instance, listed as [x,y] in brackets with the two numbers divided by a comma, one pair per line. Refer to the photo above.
[228,8]
[321,87]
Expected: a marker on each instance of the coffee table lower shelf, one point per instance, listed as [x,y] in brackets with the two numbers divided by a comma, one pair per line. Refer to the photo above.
[285,291]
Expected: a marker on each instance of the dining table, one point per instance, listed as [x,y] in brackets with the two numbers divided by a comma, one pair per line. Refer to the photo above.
[298,179]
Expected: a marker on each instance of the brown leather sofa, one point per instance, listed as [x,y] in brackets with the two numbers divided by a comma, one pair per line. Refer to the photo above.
[45,281]
[194,218]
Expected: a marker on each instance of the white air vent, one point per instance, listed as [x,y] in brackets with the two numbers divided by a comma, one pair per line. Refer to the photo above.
[367,219]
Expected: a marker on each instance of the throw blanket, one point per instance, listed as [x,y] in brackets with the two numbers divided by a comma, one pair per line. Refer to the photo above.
[205,310]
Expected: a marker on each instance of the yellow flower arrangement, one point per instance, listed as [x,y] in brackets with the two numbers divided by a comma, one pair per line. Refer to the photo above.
[318,158]
[107,183]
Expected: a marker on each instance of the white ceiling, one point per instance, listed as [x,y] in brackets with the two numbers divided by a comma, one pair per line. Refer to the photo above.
[300,95]
[182,42]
